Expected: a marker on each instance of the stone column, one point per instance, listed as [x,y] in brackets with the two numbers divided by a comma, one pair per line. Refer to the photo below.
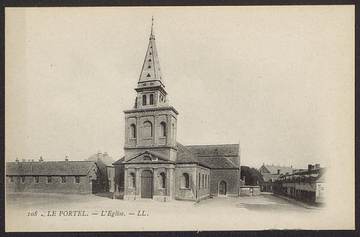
[137,183]
[126,197]
[138,131]
[170,184]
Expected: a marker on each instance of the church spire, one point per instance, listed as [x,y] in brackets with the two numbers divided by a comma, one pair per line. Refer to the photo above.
[150,73]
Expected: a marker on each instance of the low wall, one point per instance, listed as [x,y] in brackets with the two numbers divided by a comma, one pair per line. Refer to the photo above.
[249,191]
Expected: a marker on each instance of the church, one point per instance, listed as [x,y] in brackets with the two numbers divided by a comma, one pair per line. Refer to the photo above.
[156,166]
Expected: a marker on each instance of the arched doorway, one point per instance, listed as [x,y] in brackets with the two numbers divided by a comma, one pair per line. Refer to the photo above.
[222,188]
[146,184]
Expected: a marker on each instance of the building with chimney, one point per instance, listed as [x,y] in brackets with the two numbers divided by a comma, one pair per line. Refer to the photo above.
[307,186]
[155,165]
[41,176]
[104,164]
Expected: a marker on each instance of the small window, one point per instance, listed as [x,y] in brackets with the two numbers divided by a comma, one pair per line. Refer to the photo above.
[144,99]
[151,83]
[203,181]
[149,66]
[147,158]
[11,179]
[63,179]
[150,53]
[144,84]
[132,180]
[163,129]
[77,179]
[162,180]
[49,179]
[36,179]
[132,132]
[148,75]
[185,181]
[150,60]
[23,179]
[199,181]
[151,99]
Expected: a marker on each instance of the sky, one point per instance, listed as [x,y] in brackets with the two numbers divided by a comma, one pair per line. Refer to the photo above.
[277,80]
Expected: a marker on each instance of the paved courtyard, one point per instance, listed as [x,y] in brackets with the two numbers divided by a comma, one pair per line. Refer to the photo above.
[54,212]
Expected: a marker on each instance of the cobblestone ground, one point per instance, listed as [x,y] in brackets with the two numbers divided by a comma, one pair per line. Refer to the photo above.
[55,212]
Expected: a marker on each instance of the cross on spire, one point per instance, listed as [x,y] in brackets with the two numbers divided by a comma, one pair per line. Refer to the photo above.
[152,25]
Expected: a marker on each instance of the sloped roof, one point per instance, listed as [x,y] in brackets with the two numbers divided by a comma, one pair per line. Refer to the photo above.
[315,175]
[215,150]
[219,163]
[119,161]
[185,156]
[274,169]
[49,168]
[107,160]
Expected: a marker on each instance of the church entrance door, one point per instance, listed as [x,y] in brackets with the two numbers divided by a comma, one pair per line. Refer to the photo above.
[146,184]
[222,188]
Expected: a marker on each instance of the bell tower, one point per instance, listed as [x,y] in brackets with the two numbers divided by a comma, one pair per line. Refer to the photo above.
[152,123]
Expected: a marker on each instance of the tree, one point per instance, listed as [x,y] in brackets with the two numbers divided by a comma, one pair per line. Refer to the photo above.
[252,176]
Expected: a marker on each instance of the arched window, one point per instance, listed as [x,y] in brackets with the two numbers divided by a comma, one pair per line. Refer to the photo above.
[185,181]
[163,129]
[133,131]
[147,130]
[162,180]
[151,99]
[147,158]
[132,180]
[144,99]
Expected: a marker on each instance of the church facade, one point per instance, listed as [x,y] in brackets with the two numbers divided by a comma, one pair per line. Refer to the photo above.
[158,167]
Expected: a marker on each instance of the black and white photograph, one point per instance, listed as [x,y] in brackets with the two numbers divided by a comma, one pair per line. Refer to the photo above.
[179,118]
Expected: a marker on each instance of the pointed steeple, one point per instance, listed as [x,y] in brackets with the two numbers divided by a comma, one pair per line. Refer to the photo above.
[150,73]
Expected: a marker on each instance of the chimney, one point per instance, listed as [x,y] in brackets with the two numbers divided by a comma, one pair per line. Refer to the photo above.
[17,160]
[23,160]
[310,167]
[41,159]
[317,166]
[105,153]
[99,152]
[66,158]
[278,171]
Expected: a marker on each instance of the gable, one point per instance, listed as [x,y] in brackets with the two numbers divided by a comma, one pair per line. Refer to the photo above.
[147,157]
